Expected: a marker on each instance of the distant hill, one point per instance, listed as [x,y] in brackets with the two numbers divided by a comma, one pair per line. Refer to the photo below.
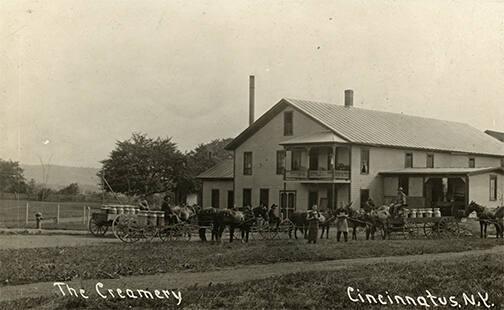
[60,176]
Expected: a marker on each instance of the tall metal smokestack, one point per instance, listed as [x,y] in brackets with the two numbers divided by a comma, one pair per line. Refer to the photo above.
[251,99]
[348,98]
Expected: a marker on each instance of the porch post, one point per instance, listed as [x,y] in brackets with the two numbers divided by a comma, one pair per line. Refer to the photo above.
[333,194]
[334,156]
[307,166]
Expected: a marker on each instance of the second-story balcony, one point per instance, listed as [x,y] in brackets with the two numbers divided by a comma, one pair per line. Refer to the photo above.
[338,174]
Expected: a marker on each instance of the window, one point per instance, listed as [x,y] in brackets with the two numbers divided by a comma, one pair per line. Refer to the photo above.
[230,199]
[247,163]
[408,161]
[280,162]
[247,197]
[264,196]
[430,160]
[472,162]
[364,168]
[288,123]
[215,198]
[493,187]
[296,160]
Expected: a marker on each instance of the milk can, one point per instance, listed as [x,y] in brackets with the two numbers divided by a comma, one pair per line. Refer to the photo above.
[437,212]
[413,213]
[160,218]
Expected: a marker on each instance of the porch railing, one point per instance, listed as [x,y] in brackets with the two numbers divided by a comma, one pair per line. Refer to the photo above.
[331,174]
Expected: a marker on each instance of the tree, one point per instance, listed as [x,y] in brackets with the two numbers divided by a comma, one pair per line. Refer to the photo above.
[142,166]
[11,177]
[203,157]
[72,189]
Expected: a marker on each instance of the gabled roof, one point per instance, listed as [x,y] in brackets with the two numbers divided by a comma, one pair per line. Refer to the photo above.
[496,134]
[442,171]
[369,127]
[222,170]
[318,137]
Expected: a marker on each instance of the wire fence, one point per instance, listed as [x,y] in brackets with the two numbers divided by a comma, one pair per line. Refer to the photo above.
[22,214]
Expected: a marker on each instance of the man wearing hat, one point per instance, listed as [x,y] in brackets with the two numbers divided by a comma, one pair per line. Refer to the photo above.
[401,201]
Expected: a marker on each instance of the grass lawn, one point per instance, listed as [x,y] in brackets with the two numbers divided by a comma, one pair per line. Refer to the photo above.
[327,290]
[113,260]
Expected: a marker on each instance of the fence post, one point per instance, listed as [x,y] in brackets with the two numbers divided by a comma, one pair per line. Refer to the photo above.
[58,214]
[88,214]
[84,214]
[27,214]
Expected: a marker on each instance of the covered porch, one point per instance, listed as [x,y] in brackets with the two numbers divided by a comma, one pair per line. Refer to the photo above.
[317,157]
[446,188]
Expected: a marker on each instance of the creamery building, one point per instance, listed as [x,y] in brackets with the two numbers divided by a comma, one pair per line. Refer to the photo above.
[300,153]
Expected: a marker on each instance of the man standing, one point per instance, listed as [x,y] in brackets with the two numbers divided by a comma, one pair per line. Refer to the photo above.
[313,218]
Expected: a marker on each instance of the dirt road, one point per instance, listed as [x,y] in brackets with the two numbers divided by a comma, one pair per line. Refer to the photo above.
[179,280]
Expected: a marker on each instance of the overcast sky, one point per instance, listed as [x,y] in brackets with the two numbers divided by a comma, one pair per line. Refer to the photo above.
[75,76]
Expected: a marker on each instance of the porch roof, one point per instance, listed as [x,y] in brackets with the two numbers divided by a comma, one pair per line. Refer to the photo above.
[443,171]
[322,137]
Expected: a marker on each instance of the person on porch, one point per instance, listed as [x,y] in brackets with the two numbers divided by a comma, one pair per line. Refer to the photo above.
[313,217]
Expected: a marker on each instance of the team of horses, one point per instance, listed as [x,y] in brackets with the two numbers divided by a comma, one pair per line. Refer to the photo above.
[372,221]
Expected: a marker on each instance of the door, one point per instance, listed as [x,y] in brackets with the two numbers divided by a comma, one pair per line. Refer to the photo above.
[287,203]
[312,199]
[364,196]
[264,196]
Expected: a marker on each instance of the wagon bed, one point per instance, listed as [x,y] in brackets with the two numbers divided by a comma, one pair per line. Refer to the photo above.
[430,227]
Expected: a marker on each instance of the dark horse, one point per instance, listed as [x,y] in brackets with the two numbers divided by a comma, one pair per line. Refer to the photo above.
[361,218]
[300,222]
[251,216]
[486,217]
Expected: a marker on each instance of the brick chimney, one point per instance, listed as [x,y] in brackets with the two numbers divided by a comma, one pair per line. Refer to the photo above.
[251,99]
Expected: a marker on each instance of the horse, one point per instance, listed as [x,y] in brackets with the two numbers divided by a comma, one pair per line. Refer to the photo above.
[300,222]
[380,219]
[361,218]
[250,219]
[274,217]
[329,218]
[206,218]
[177,214]
[486,216]
[228,217]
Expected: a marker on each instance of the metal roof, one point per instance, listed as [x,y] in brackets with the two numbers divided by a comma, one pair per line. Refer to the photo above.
[318,137]
[496,134]
[222,170]
[371,127]
[442,171]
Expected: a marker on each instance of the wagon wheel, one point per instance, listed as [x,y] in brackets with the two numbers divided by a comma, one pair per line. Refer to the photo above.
[124,228]
[448,228]
[97,229]
[285,227]
[267,232]
[180,232]
[431,230]
[149,232]
[164,234]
